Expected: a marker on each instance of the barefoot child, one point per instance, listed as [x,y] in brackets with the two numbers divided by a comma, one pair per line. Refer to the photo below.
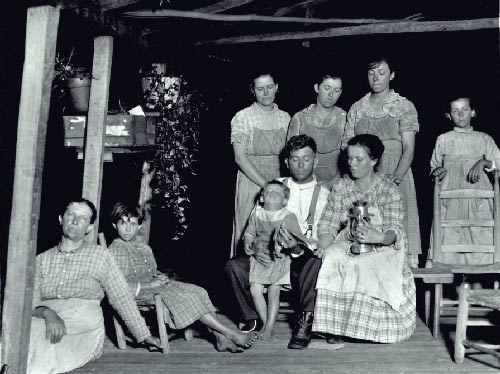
[185,303]
[262,230]
[460,158]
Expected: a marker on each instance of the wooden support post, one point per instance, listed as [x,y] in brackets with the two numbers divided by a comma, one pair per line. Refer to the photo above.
[41,36]
[96,124]
[145,201]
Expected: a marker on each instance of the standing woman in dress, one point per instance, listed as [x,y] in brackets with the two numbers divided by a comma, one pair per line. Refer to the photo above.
[258,134]
[325,123]
[393,118]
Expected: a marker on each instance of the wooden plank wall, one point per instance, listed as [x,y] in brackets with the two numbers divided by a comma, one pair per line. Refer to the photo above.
[41,37]
[96,126]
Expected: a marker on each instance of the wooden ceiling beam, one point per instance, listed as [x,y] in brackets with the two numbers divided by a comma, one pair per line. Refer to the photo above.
[222,6]
[296,7]
[376,28]
[166,13]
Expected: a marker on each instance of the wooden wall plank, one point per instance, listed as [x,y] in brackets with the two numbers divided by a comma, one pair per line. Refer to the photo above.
[96,125]
[41,36]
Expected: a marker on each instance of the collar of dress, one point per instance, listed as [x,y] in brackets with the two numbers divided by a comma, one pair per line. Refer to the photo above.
[392,97]
[60,248]
[256,106]
[462,130]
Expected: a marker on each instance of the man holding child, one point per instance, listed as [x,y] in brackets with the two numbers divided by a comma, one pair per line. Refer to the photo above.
[307,200]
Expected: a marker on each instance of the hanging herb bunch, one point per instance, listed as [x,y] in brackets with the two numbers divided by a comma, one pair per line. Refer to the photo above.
[177,142]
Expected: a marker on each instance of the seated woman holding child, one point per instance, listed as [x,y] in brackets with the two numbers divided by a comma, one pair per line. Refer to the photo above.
[371,295]
[185,303]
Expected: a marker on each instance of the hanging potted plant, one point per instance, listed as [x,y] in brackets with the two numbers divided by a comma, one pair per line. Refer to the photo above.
[72,82]
[177,138]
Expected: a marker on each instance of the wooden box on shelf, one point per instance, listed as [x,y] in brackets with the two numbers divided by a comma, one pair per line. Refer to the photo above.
[122,130]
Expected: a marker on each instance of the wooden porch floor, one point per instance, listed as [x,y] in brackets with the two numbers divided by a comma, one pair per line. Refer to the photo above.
[421,354]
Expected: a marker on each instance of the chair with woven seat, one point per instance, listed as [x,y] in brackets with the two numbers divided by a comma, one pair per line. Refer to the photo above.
[436,262]
[486,298]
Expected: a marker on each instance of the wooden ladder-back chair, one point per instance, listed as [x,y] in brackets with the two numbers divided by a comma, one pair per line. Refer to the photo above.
[486,298]
[145,306]
[439,248]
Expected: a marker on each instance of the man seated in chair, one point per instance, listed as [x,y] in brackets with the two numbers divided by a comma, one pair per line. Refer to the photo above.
[67,328]
[307,200]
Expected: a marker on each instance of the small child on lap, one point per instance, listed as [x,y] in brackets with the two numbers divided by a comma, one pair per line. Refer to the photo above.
[262,231]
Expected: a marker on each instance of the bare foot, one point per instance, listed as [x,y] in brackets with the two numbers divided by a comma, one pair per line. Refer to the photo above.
[223,344]
[266,333]
[243,339]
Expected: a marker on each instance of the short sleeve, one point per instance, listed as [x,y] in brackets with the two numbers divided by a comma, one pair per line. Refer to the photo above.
[437,154]
[350,125]
[492,152]
[294,127]
[408,121]
[240,132]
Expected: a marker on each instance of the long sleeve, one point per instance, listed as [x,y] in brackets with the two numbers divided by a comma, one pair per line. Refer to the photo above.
[392,211]
[37,297]
[331,218]
[120,297]
[292,224]
[123,261]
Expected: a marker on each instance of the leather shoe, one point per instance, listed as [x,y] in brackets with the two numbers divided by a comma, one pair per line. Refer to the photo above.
[301,336]
[333,339]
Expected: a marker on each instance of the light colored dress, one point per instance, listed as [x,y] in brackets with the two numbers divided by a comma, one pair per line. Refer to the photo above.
[263,134]
[369,296]
[327,132]
[398,115]
[457,151]
[263,226]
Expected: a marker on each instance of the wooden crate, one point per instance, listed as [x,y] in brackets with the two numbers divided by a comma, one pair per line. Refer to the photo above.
[122,130]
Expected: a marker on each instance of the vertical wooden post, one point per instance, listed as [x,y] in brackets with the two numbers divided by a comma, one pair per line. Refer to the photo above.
[38,70]
[145,201]
[437,234]
[96,124]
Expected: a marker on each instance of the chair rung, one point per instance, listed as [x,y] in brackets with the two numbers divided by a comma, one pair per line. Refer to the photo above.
[467,248]
[480,323]
[467,193]
[476,269]
[467,223]
[481,347]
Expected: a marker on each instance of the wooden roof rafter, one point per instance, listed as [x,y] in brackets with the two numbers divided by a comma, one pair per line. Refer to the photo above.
[107,5]
[223,6]
[374,28]
[293,8]
[171,13]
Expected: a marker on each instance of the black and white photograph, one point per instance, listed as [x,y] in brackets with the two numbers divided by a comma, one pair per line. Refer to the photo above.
[249,186]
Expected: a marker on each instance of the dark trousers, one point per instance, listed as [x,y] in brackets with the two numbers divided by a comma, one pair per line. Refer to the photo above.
[303,273]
